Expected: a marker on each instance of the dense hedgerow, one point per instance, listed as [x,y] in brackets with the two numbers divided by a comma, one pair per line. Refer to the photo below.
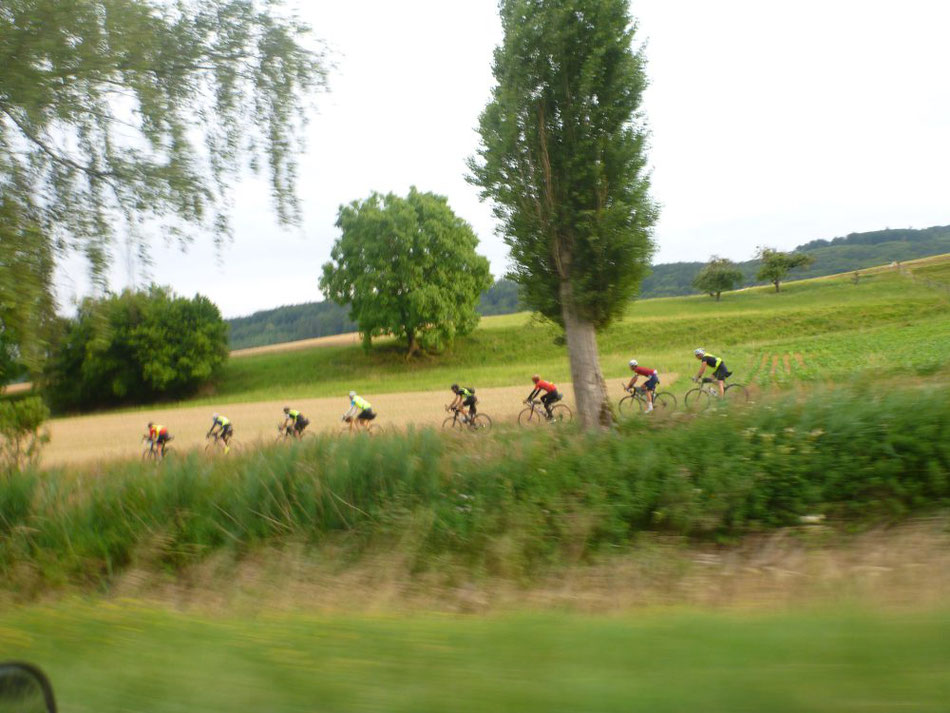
[509,502]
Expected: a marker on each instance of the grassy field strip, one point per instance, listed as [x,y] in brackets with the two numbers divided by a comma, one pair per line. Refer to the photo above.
[101,437]
[125,656]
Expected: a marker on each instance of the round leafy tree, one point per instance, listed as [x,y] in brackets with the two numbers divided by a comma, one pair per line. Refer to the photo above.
[407,267]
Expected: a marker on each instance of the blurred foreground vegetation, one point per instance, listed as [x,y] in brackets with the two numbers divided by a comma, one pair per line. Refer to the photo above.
[510,504]
[129,656]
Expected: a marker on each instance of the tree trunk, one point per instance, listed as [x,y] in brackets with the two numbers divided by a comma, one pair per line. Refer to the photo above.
[776,285]
[590,390]
[413,344]
[717,296]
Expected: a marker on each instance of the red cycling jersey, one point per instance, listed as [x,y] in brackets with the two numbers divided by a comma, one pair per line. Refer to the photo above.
[546,385]
[643,371]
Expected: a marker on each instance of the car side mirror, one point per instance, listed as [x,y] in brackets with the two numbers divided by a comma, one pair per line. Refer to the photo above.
[25,689]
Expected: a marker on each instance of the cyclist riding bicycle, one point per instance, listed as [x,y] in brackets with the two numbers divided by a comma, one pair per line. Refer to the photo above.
[222,424]
[158,435]
[551,396]
[720,372]
[295,418]
[649,386]
[361,409]
[464,397]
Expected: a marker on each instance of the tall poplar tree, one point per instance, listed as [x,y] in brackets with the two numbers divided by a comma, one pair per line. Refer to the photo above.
[563,157]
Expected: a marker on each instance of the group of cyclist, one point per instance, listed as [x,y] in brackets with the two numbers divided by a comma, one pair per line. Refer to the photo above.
[360,413]
[465,395]
[718,366]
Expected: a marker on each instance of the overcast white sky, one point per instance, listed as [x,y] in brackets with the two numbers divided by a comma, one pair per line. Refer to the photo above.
[771,124]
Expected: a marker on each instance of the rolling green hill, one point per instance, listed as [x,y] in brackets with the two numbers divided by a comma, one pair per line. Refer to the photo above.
[856,251]
[815,329]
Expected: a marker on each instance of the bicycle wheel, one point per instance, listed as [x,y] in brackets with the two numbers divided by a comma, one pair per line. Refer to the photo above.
[664,402]
[696,400]
[561,413]
[211,447]
[737,394]
[630,405]
[481,423]
[530,417]
[149,454]
[451,422]
[373,429]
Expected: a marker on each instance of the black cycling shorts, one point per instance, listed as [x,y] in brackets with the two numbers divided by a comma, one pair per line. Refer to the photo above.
[722,373]
[651,383]
[367,415]
[469,401]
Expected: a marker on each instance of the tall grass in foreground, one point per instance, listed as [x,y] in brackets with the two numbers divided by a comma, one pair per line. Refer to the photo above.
[508,503]
[128,657]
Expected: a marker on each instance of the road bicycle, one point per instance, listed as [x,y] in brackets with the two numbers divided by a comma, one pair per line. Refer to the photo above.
[461,421]
[153,451]
[352,427]
[216,444]
[702,396]
[535,414]
[288,434]
[636,401]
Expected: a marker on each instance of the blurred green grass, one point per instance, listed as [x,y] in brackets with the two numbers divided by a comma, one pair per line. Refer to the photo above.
[128,656]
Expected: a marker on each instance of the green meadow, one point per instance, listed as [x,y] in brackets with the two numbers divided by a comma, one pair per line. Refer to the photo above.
[824,329]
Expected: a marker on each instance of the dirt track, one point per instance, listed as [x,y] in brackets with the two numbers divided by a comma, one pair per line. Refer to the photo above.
[90,439]
[336,340]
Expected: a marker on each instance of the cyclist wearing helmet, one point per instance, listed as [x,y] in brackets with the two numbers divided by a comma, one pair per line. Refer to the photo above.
[464,396]
[551,395]
[294,418]
[360,411]
[158,435]
[226,430]
[720,372]
[649,386]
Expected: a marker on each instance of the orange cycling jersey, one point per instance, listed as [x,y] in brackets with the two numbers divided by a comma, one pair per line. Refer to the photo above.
[156,431]
[546,385]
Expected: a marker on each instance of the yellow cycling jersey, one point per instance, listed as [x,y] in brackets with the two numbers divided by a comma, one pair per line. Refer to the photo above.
[361,403]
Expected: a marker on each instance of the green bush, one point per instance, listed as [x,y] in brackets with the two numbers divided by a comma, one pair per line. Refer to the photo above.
[20,436]
[135,347]
[508,503]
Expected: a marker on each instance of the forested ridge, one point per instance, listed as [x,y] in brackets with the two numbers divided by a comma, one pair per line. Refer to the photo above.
[323,319]
[854,251]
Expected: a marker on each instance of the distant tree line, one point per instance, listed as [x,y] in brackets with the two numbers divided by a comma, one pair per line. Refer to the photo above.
[852,252]
[323,319]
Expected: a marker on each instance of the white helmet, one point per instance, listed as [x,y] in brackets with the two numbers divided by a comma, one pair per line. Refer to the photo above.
[214,417]
[633,363]
[352,394]
[700,352]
